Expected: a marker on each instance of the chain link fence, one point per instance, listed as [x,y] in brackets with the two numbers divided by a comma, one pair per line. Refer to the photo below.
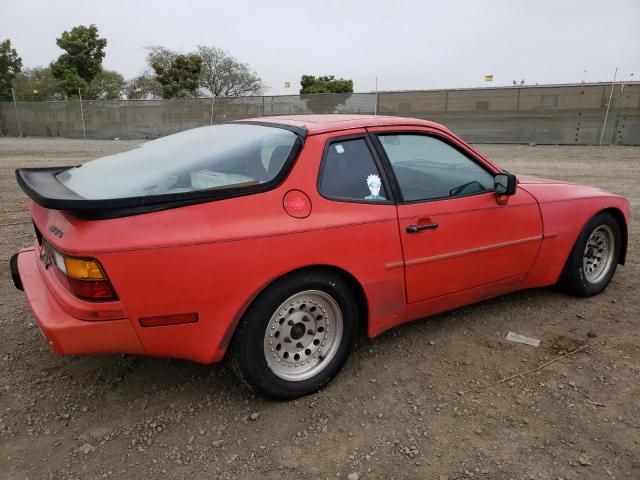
[582,114]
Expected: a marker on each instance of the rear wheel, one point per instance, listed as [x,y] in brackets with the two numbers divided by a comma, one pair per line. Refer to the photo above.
[297,335]
[594,257]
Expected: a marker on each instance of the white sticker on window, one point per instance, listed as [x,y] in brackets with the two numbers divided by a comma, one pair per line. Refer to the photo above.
[339,148]
[374,183]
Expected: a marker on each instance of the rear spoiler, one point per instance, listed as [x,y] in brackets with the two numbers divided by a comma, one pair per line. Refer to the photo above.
[44,188]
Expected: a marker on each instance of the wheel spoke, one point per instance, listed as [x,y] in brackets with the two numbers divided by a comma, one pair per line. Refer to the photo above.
[310,324]
[598,254]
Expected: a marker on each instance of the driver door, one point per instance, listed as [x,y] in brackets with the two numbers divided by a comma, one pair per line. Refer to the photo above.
[455,235]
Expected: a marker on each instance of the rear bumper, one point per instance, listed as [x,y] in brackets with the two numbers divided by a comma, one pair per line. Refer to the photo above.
[66,334]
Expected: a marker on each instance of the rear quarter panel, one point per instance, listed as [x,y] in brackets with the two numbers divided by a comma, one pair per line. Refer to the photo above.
[565,209]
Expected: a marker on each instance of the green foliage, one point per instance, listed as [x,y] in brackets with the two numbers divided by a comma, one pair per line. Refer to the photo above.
[37,83]
[221,75]
[10,66]
[325,84]
[160,55]
[82,60]
[106,85]
[180,76]
[143,87]
[224,76]
[70,82]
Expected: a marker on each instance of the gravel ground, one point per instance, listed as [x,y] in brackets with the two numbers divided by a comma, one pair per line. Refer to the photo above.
[401,408]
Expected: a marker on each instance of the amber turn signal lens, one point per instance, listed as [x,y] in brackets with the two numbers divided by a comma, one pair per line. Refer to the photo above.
[83,277]
[82,269]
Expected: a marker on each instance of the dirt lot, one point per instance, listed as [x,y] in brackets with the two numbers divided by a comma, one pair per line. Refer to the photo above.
[401,407]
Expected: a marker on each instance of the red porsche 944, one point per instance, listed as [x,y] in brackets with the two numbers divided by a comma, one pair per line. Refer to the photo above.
[274,241]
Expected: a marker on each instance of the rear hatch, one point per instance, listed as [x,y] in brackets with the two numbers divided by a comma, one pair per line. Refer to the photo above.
[194,166]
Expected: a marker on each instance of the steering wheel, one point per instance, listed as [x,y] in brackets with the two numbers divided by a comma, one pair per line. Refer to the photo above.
[458,190]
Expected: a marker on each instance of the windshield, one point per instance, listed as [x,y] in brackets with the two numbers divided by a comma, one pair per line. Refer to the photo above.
[214,157]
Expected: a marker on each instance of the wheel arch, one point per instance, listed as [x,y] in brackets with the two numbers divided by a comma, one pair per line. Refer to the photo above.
[619,217]
[351,280]
[624,229]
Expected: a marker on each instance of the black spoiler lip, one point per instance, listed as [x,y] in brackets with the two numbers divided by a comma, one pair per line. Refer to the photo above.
[42,186]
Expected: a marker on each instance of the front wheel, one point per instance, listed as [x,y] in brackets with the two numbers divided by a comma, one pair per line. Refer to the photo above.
[594,257]
[297,335]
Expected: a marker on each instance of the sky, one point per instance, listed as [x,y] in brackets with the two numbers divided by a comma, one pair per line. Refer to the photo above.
[405,44]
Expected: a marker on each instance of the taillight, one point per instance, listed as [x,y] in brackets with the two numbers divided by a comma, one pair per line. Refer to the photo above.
[83,277]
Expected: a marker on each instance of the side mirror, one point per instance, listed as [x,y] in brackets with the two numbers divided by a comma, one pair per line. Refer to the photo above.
[504,184]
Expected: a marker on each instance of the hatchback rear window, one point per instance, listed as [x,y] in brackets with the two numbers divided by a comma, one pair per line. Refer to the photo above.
[206,158]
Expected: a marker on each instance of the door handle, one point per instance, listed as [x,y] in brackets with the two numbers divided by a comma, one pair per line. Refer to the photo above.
[419,228]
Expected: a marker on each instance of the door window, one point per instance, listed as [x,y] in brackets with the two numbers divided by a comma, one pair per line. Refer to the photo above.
[349,172]
[428,168]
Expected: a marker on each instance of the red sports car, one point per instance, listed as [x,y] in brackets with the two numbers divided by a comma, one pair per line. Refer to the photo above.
[276,240]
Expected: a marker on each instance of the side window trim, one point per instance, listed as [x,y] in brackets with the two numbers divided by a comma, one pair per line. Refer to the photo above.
[379,163]
[389,172]
[387,169]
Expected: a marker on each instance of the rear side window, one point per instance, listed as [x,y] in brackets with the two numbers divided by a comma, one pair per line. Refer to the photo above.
[349,172]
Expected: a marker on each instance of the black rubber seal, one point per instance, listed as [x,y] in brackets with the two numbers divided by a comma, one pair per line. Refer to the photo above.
[15,274]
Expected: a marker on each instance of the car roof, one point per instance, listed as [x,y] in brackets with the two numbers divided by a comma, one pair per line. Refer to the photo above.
[315,124]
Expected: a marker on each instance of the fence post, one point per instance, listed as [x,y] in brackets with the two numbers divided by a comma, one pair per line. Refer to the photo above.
[615,125]
[606,114]
[213,101]
[375,107]
[84,130]
[15,105]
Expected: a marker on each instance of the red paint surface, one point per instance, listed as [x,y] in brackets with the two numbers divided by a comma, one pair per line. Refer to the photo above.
[214,258]
[297,204]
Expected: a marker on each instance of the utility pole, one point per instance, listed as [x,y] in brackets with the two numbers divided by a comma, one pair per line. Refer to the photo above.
[375,108]
[15,105]
[613,84]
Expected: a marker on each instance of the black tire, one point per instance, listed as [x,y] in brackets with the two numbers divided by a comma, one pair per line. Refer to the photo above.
[247,353]
[573,279]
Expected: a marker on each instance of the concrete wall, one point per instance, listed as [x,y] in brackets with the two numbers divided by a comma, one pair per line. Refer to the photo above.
[568,114]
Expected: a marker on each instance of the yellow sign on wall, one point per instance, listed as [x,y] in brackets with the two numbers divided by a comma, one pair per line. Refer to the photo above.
[287,84]
[488,78]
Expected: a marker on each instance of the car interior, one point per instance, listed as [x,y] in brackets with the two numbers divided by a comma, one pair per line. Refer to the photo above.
[243,167]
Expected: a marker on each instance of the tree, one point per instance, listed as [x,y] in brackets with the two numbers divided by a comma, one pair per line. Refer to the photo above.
[180,76]
[69,81]
[143,87]
[221,75]
[10,66]
[106,85]
[82,60]
[327,84]
[224,76]
[37,83]
[160,55]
